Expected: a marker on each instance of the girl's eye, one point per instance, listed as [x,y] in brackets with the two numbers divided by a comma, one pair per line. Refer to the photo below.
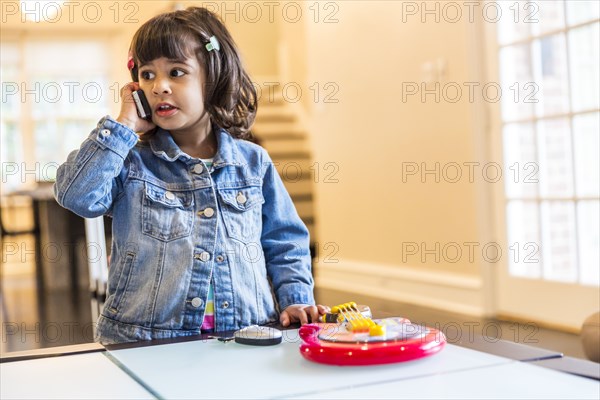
[177,73]
[146,75]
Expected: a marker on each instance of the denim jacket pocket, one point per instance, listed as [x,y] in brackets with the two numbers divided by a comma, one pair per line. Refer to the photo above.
[242,212]
[167,215]
[122,283]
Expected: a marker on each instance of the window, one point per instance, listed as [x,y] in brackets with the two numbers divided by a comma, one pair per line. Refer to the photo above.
[54,92]
[11,146]
[551,137]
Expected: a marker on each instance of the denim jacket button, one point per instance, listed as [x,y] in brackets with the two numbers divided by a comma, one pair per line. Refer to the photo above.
[197,302]
[209,212]
[225,304]
[220,258]
[198,168]
[241,198]
[170,195]
[105,132]
[205,256]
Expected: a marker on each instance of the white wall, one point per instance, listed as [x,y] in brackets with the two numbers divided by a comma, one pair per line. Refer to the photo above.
[374,212]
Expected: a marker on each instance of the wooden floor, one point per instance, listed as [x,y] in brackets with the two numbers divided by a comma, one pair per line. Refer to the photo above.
[32,320]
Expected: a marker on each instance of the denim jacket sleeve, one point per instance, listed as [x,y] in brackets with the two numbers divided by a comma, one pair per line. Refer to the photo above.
[285,241]
[87,183]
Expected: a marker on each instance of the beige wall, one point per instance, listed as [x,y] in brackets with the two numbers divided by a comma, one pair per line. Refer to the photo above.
[370,132]
[293,51]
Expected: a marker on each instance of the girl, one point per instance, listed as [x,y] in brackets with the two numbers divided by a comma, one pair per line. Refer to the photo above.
[205,236]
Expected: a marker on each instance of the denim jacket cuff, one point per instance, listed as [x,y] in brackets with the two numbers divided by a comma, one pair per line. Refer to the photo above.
[114,136]
[296,294]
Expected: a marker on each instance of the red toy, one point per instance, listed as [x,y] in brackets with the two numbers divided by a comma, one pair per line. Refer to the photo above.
[356,339]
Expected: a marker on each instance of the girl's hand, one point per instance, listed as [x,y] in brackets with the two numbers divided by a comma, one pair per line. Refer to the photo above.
[128,115]
[301,312]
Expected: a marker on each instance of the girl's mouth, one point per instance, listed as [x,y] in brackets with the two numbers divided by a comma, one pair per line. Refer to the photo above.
[165,110]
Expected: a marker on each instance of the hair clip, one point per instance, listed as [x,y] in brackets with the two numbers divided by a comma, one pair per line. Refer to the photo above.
[130,62]
[213,44]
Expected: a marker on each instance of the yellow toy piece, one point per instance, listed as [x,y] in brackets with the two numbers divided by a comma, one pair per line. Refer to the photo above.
[377,330]
[356,322]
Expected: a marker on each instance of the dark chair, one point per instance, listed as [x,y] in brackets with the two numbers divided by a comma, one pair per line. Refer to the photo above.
[6,233]
[34,230]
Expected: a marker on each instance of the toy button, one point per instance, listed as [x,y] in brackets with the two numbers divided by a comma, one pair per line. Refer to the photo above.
[258,336]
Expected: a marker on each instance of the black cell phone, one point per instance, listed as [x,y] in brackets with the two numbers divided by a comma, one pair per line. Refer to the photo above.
[141,103]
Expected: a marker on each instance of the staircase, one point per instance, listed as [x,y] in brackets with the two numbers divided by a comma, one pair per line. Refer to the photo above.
[277,128]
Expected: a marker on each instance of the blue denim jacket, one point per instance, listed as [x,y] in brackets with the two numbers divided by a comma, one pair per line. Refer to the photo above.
[177,225]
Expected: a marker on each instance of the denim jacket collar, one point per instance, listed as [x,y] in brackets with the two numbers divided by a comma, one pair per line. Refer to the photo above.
[163,146]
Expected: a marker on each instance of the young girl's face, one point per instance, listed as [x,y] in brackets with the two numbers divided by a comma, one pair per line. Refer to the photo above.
[174,89]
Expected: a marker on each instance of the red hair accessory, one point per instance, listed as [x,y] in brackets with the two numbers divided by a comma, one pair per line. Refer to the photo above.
[130,62]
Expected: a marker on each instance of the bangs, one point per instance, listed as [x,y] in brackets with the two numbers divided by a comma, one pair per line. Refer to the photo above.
[163,37]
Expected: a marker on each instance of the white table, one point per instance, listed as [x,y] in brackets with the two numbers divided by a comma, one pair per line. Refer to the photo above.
[505,381]
[213,369]
[80,376]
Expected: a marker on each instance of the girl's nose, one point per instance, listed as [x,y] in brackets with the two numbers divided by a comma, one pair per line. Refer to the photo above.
[161,86]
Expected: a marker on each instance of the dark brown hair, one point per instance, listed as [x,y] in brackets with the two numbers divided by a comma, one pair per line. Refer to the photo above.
[229,95]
